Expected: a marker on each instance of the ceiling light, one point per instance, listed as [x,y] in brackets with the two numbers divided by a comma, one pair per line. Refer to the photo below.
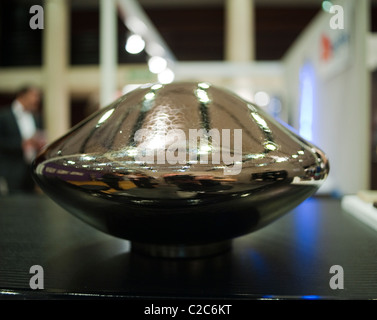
[135,44]
[157,64]
[166,76]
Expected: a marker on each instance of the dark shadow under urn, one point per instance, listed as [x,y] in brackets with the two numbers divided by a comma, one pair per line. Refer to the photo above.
[180,169]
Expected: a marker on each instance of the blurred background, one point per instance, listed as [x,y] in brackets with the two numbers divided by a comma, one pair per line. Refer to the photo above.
[310,63]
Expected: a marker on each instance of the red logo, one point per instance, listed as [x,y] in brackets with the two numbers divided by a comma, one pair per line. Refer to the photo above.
[326,48]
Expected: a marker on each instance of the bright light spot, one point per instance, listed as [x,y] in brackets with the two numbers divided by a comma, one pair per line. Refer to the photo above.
[157,64]
[8,292]
[311,297]
[166,76]
[156,86]
[105,116]
[326,5]
[202,96]
[88,158]
[204,149]
[203,85]
[280,159]
[270,146]
[132,151]
[260,121]
[135,44]
[255,156]
[150,96]
[261,98]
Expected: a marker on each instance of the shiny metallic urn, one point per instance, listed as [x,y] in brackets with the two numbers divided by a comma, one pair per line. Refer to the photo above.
[180,169]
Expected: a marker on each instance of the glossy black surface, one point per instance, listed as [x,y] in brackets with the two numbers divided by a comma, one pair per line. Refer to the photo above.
[290,258]
[95,171]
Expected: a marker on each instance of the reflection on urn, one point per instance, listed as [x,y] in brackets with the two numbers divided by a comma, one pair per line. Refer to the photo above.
[180,169]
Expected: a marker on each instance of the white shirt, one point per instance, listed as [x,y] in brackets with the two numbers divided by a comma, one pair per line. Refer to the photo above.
[27,127]
[25,120]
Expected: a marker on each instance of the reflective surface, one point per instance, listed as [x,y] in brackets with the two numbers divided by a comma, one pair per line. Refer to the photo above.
[183,164]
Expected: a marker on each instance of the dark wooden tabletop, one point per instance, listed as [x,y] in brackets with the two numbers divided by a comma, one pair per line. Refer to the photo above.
[291,258]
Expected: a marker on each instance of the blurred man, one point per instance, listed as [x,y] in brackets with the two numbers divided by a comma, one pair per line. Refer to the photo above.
[20,140]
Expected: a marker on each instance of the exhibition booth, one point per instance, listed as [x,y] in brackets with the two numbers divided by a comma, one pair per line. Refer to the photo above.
[321,88]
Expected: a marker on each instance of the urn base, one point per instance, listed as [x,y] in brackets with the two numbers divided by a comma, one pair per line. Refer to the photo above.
[181,251]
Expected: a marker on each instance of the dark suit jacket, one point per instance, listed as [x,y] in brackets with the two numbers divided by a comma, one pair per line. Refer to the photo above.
[12,164]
